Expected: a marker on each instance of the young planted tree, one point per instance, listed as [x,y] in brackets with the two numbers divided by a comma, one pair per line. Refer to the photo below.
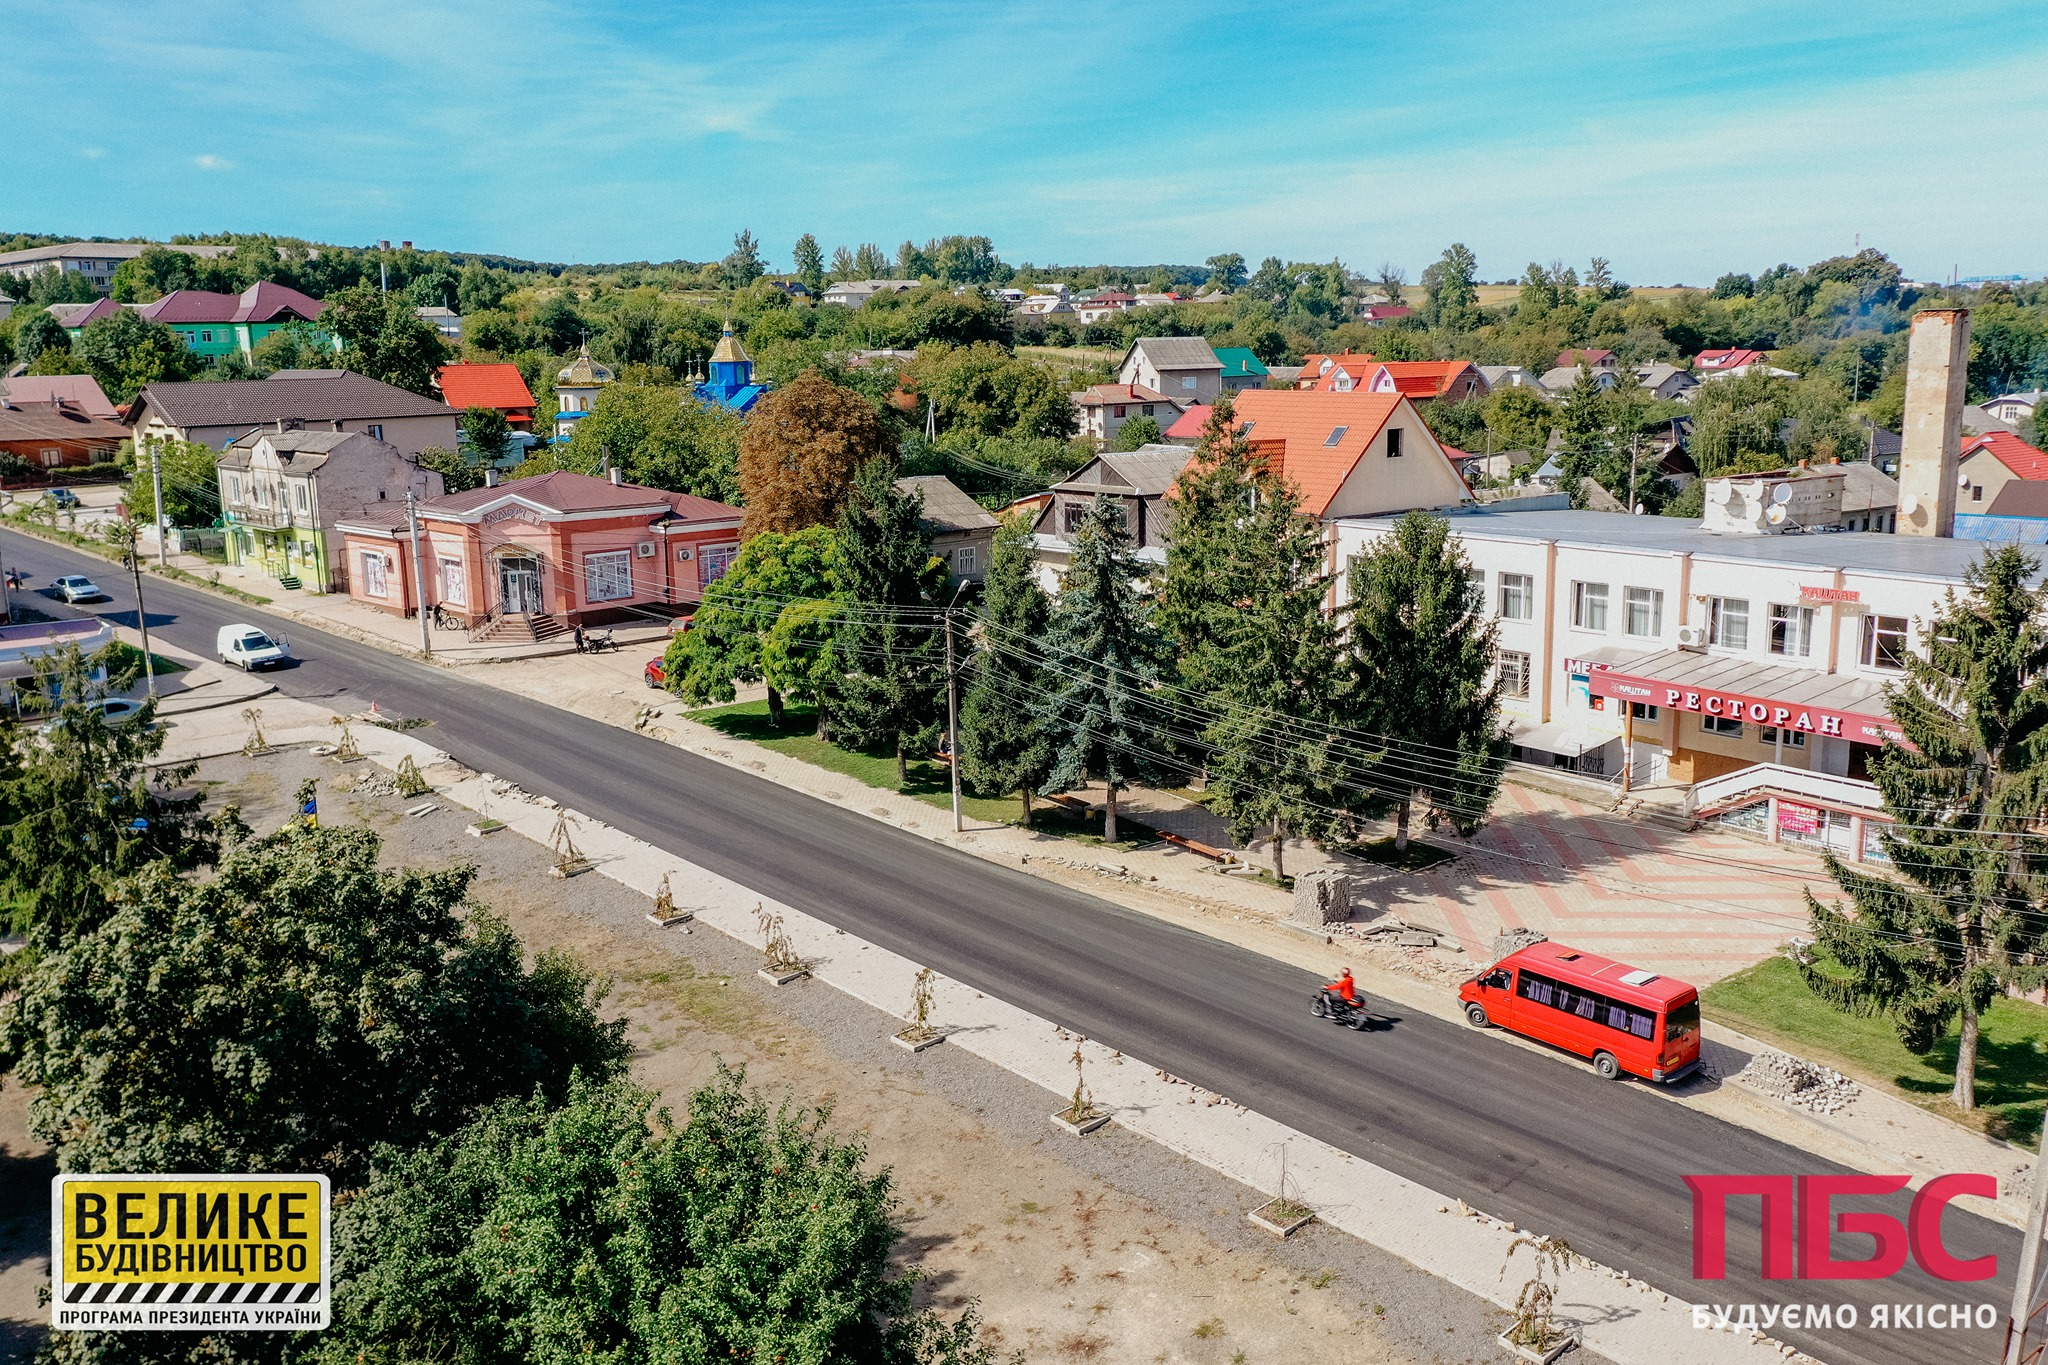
[802,447]
[1421,675]
[1002,746]
[773,573]
[887,652]
[1931,948]
[1103,658]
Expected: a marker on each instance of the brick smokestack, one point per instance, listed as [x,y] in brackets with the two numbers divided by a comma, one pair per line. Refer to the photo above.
[1937,370]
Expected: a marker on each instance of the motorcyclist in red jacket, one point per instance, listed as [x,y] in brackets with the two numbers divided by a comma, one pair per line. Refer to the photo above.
[1344,988]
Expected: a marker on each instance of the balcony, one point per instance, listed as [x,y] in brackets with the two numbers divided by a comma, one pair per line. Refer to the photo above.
[271,518]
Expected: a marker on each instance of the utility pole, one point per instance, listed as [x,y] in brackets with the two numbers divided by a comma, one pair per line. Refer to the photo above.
[419,570]
[953,720]
[156,480]
[1633,505]
[141,611]
[2025,1286]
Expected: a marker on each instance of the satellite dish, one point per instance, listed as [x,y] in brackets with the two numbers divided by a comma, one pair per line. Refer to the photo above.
[1909,505]
[1782,494]
[1723,491]
[1776,516]
[1962,480]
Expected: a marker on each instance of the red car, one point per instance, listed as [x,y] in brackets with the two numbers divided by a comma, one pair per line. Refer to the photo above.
[654,675]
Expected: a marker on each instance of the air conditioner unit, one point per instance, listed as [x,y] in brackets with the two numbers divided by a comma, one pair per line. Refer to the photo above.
[1692,637]
[644,550]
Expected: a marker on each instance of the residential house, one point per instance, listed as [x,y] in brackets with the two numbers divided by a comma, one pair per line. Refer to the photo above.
[217,325]
[1288,375]
[1559,382]
[1666,382]
[52,435]
[482,385]
[577,385]
[1991,461]
[530,558]
[284,491]
[730,377]
[2013,408]
[1316,366]
[214,414]
[963,531]
[1380,314]
[1350,454]
[79,390]
[1881,447]
[1046,306]
[1729,358]
[1500,377]
[1449,381]
[1104,408]
[1590,356]
[1088,312]
[1870,498]
[445,321]
[1978,419]
[854,293]
[1187,428]
[96,261]
[1155,300]
[1241,369]
[1139,479]
[2017,516]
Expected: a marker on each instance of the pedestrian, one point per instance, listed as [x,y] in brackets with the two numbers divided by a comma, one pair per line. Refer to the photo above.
[579,637]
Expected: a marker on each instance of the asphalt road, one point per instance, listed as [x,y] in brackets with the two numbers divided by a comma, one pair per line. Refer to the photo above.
[1547,1145]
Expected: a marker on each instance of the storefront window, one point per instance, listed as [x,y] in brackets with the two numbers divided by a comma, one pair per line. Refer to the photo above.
[713,561]
[1517,597]
[1791,631]
[1884,642]
[1645,612]
[1589,606]
[1728,622]
[1720,725]
[608,577]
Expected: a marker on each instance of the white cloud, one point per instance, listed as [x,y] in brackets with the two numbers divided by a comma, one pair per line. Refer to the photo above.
[92,153]
[207,161]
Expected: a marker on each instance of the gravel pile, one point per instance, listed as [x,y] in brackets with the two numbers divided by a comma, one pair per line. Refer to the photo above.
[373,782]
[1795,1080]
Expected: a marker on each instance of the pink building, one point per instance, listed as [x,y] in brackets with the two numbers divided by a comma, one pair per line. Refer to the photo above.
[529,557]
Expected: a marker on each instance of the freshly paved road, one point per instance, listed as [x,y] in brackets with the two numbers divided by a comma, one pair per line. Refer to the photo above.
[1546,1145]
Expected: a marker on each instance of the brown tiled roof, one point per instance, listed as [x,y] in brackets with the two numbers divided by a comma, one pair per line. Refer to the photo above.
[563,491]
[326,396]
[80,390]
[55,422]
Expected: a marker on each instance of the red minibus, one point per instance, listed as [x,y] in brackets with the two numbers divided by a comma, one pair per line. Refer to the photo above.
[1624,1019]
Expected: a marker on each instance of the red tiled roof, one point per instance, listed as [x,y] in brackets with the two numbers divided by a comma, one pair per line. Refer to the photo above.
[1190,423]
[2009,450]
[1569,360]
[1727,359]
[101,308]
[567,492]
[485,386]
[1420,378]
[1374,312]
[1293,427]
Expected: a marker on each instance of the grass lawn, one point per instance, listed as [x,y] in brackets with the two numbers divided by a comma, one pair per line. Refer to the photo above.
[1770,1002]
[1414,858]
[929,781]
[122,656]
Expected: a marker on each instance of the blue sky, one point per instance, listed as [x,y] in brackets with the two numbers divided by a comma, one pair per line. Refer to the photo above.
[1679,140]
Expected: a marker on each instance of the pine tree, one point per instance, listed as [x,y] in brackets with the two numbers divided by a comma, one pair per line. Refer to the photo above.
[1002,746]
[809,263]
[1421,660]
[887,654]
[1935,946]
[1103,659]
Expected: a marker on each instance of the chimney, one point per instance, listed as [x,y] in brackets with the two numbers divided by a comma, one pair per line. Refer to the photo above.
[618,477]
[1937,369]
[490,478]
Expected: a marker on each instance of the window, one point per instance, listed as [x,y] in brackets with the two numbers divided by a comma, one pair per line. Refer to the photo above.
[1589,1005]
[965,560]
[454,584]
[1070,517]
[1792,631]
[1681,1023]
[608,577]
[1770,734]
[1976,492]
[234,488]
[1720,725]
[299,496]
[1189,381]
[206,337]
[373,574]
[1884,642]
[1116,412]
[52,456]
[1514,673]
[1589,606]
[1728,622]
[1336,435]
[376,430]
[1394,444]
[1148,409]
[713,561]
[1517,596]
[1642,710]
[1645,611]
[259,492]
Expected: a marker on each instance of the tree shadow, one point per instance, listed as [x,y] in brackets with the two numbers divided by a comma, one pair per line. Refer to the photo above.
[2012,1082]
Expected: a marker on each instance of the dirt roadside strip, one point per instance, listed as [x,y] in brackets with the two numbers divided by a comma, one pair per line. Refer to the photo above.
[1619,1317]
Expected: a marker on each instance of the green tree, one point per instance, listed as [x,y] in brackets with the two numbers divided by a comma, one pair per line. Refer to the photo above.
[1931,948]
[982,391]
[661,437]
[801,448]
[809,263]
[191,482]
[296,346]
[1138,431]
[480,289]
[486,435]
[1103,658]
[292,1013]
[773,571]
[600,1231]
[38,332]
[1737,419]
[869,263]
[1451,283]
[55,285]
[843,267]
[1002,747]
[1226,272]
[1520,418]
[886,648]
[1421,674]
[156,272]
[383,337]
[458,472]
[127,352]
[742,265]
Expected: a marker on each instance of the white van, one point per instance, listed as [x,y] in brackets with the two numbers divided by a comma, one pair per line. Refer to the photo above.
[248,648]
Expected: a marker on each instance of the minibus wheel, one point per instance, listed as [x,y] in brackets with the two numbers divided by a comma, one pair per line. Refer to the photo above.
[1606,1067]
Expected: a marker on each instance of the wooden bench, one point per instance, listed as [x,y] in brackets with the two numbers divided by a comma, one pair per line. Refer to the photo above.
[1194,846]
[1067,802]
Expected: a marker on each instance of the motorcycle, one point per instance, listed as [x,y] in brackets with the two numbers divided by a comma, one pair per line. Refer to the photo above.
[1335,1008]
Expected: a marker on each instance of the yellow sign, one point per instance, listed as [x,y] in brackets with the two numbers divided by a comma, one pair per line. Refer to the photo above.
[200,1253]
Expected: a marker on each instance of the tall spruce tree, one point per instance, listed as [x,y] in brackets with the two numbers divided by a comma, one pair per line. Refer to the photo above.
[1103,659]
[887,653]
[1002,746]
[1421,666]
[1243,607]
[1932,948]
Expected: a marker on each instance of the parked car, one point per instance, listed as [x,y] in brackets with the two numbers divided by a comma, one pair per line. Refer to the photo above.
[249,649]
[62,498]
[75,587]
[112,711]
[654,675]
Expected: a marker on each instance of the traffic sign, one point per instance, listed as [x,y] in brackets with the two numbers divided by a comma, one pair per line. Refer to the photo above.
[194,1253]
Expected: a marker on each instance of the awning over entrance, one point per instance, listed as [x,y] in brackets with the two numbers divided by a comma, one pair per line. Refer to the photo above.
[1562,737]
[1838,705]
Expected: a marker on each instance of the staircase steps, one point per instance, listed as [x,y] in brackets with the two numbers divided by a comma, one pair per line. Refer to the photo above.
[290,581]
[523,629]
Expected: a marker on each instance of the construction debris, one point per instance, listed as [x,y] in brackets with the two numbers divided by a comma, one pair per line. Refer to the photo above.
[1809,1085]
